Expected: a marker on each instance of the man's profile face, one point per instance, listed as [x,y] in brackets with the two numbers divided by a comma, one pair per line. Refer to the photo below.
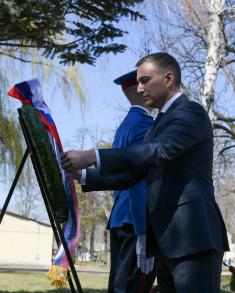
[133,96]
[152,85]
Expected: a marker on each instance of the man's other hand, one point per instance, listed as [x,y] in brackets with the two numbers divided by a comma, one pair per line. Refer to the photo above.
[73,160]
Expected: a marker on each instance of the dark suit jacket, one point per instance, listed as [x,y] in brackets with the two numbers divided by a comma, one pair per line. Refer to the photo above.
[176,160]
[129,204]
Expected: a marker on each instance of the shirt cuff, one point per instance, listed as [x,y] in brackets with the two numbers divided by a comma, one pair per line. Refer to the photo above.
[83,178]
[97,159]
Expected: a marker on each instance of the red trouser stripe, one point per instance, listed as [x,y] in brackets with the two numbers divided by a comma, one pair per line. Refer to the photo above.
[142,283]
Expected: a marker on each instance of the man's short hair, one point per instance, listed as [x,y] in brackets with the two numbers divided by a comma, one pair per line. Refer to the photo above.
[164,61]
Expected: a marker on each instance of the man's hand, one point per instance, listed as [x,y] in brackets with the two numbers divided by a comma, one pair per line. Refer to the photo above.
[72,160]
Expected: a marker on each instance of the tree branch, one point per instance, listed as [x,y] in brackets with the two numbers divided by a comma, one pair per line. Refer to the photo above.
[226,129]
[225,149]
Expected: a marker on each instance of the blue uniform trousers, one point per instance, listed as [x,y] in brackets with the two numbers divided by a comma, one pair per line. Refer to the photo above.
[125,277]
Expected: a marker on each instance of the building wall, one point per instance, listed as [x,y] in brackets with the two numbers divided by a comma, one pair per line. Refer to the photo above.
[24,241]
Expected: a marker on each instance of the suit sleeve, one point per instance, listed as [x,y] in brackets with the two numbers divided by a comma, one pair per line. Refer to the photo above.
[184,129]
[95,181]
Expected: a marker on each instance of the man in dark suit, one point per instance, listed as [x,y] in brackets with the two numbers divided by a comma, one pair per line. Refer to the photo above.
[127,222]
[185,227]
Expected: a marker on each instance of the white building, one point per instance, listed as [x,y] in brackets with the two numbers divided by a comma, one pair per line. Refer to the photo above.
[25,241]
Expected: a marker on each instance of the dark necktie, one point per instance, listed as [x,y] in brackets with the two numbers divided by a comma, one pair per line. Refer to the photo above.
[159,115]
[151,132]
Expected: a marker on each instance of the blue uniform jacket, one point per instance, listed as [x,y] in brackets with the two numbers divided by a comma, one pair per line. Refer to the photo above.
[130,204]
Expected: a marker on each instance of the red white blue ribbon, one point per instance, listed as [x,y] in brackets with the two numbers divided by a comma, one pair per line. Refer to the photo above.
[30,92]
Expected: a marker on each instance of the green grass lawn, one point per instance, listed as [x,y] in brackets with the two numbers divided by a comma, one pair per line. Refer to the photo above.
[22,282]
[225,281]
[38,283]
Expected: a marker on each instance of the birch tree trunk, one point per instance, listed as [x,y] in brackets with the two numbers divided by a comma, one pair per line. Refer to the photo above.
[213,55]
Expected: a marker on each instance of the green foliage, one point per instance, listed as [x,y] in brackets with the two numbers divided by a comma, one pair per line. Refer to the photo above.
[232,283]
[75,31]
[10,140]
[91,214]
[47,162]
[91,210]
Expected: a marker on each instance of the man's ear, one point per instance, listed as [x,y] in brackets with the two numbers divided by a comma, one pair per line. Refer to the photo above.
[170,78]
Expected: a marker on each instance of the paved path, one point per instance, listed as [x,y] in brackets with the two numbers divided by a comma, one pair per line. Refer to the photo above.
[14,268]
[22,268]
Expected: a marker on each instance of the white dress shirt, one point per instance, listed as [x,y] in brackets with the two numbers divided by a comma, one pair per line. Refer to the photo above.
[170,102]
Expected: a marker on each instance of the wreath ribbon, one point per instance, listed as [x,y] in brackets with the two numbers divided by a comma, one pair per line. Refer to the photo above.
[30,92]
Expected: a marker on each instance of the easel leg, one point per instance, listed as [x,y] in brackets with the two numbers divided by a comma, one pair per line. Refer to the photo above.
[57,231]
[54,222]
[11,191]
[7,201]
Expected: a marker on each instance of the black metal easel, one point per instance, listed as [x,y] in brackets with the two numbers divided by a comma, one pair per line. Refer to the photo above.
[57,230]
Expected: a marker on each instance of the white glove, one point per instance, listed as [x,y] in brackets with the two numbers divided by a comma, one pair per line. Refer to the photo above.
[145,264]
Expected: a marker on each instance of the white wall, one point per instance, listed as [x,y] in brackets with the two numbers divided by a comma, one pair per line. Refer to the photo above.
[24,241]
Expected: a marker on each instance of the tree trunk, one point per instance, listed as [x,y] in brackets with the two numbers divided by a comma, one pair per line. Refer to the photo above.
[106,257]
[83,248]
[92,242]
[213,55]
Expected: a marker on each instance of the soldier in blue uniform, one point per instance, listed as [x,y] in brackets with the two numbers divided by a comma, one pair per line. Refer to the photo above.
[131,271]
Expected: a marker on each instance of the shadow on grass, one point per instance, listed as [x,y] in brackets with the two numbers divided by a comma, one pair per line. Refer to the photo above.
[57,291]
